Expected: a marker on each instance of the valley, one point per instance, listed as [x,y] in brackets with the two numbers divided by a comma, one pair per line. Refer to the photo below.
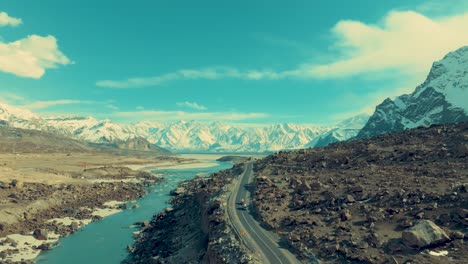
[234,132]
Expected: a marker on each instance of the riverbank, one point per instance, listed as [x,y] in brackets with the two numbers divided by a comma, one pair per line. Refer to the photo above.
[195,228]
[107,241]
[46,196]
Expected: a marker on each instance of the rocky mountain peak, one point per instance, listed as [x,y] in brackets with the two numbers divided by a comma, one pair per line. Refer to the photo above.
[442,98]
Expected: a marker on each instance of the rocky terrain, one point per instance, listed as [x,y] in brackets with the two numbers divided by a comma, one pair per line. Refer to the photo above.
[51,185]
[195,228]
[43,202]
[395,198]
[48,210]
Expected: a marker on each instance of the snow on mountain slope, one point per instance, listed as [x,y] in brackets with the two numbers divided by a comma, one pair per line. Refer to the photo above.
[183,136]
[91,129]
[345,130]
[21,118]
[355,122]
[336,135]
[442,98]
[219,137]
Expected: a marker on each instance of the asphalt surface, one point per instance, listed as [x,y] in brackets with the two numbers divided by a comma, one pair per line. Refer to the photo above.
[263,243]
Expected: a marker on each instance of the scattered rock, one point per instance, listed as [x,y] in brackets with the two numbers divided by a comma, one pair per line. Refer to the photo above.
[333,248]
[457,235]
[130,249]
[45,246]
[316,186]
[178,191]
[357,189]
[345,215]
[302,188]
[350,199]
[17,184]
[461,212]
[425,233]
[74,226]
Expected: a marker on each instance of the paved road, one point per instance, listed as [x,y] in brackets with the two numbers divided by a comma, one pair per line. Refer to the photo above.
[263,243]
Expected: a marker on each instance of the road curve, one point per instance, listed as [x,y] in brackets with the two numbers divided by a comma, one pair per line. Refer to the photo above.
[263,243]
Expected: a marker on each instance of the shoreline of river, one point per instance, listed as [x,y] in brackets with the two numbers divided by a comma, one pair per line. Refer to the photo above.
[25,247]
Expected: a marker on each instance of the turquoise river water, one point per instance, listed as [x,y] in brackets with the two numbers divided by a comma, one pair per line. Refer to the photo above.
[106,241]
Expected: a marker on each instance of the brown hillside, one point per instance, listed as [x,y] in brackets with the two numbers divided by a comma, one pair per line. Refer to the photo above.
[352,202]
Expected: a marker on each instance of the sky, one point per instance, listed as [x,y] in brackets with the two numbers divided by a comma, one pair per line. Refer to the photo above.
[245,61]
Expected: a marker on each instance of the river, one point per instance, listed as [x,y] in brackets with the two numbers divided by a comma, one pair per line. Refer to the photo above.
[105,241]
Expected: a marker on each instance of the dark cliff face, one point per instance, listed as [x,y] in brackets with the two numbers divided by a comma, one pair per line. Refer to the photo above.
[431,103]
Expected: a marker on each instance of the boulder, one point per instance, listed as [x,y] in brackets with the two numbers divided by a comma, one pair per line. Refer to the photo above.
[316,186]
[329,196]
[178,191]
[302,188]
[74,226]
[45,246]
[356,189]
[461,212]
[262,178]
[345,215]
[425,233]
[41,234]
[350,199]
[17,184]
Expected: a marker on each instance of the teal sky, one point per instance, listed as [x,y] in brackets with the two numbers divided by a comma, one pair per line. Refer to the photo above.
[234,61]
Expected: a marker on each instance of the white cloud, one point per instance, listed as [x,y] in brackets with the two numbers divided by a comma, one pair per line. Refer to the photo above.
[214,73]
[192,105]
[181,115]
[46,104]
[31,56]
[437,7]
[408,42]
[9,97]
[38,105]
[404,42]
[6,20]
[112,107]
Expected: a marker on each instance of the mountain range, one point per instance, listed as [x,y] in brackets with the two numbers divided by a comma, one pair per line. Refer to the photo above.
[183,136]
[442,98]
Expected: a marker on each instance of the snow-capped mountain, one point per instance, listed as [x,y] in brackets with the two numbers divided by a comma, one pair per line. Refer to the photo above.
[345,130]
[22,118]
[92,130]
[181,136]
[220,137]
[442,98]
